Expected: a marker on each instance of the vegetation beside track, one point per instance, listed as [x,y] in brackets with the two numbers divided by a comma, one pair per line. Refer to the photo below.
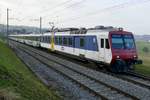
[144,56]
[17,82]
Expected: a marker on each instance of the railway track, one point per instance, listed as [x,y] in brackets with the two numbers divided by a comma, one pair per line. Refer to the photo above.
[132,77]
[137,78]
[80,76]
[95,86]
[135,74]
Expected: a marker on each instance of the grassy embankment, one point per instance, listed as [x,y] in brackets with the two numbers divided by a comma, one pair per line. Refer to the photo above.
[17,82]
[145,67]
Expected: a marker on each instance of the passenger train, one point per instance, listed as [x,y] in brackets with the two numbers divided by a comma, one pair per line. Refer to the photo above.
[109,46]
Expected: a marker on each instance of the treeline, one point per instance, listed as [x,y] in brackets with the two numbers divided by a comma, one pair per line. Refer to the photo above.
[20,30]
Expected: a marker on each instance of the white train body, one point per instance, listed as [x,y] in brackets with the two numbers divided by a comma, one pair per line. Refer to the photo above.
[101,54]
[94,44]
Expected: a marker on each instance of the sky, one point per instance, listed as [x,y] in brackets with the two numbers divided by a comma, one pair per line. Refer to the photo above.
[132,15]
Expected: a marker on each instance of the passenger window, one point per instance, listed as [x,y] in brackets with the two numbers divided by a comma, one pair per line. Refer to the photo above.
[82,42]
[60,40]
[36,38]
[48,39]
[70,41]
[56,40]
[41,39]
[45,39]
[94,40]
[64,41]
[102,43]
[107,44]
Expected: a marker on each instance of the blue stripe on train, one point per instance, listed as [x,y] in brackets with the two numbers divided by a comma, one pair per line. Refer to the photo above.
[82,42]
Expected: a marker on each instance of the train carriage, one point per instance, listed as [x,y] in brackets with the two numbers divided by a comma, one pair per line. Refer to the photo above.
[104,45]
[29,39]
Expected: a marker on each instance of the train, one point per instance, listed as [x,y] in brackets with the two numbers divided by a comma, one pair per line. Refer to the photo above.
[111,47]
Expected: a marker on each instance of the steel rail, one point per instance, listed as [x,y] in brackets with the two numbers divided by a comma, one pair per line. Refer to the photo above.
[40,57]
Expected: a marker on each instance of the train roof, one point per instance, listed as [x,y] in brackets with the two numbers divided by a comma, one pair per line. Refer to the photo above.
[75,31]
[25,34]
[83,31]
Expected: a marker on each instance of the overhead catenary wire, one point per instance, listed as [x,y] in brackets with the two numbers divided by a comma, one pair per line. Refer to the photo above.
[75,18]
[48,9]
[59,10]
[114,7]
[70,6]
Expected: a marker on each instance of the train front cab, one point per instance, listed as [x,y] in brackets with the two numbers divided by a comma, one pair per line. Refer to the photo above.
[124,53]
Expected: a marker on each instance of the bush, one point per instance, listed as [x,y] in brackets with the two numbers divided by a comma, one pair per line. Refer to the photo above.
[146,49]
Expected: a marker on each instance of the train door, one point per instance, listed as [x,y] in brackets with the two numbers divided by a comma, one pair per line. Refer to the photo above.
[102,49]
[105,51]
[80,46]
[108,55]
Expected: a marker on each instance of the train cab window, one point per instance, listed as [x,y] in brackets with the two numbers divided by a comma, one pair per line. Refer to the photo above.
[107,44]
[64,41]
[102,43]
[70,41]
[60,40]
[82,42]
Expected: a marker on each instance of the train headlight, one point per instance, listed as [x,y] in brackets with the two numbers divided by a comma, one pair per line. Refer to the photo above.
[135,56]
[118,57]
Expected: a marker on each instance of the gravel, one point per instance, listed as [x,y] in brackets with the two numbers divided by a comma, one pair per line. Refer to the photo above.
[128,87]
[64,86]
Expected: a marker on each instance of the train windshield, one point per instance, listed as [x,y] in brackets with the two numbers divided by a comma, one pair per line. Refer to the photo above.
[117,42]
[122,41]
[129,42]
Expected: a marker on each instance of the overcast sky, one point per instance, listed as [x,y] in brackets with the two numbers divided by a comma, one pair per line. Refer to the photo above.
[132,15]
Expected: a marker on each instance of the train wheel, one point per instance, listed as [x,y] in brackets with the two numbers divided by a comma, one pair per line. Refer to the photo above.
[118,66]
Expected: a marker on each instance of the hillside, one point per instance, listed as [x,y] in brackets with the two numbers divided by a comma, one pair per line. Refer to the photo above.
[17,82]
[20,29]
[142,37]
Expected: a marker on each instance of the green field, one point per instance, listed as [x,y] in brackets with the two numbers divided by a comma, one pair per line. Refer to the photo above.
[145,67]
[17,82]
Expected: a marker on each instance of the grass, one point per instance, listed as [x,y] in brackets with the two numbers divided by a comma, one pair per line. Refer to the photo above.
[17,82]
[145,57]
